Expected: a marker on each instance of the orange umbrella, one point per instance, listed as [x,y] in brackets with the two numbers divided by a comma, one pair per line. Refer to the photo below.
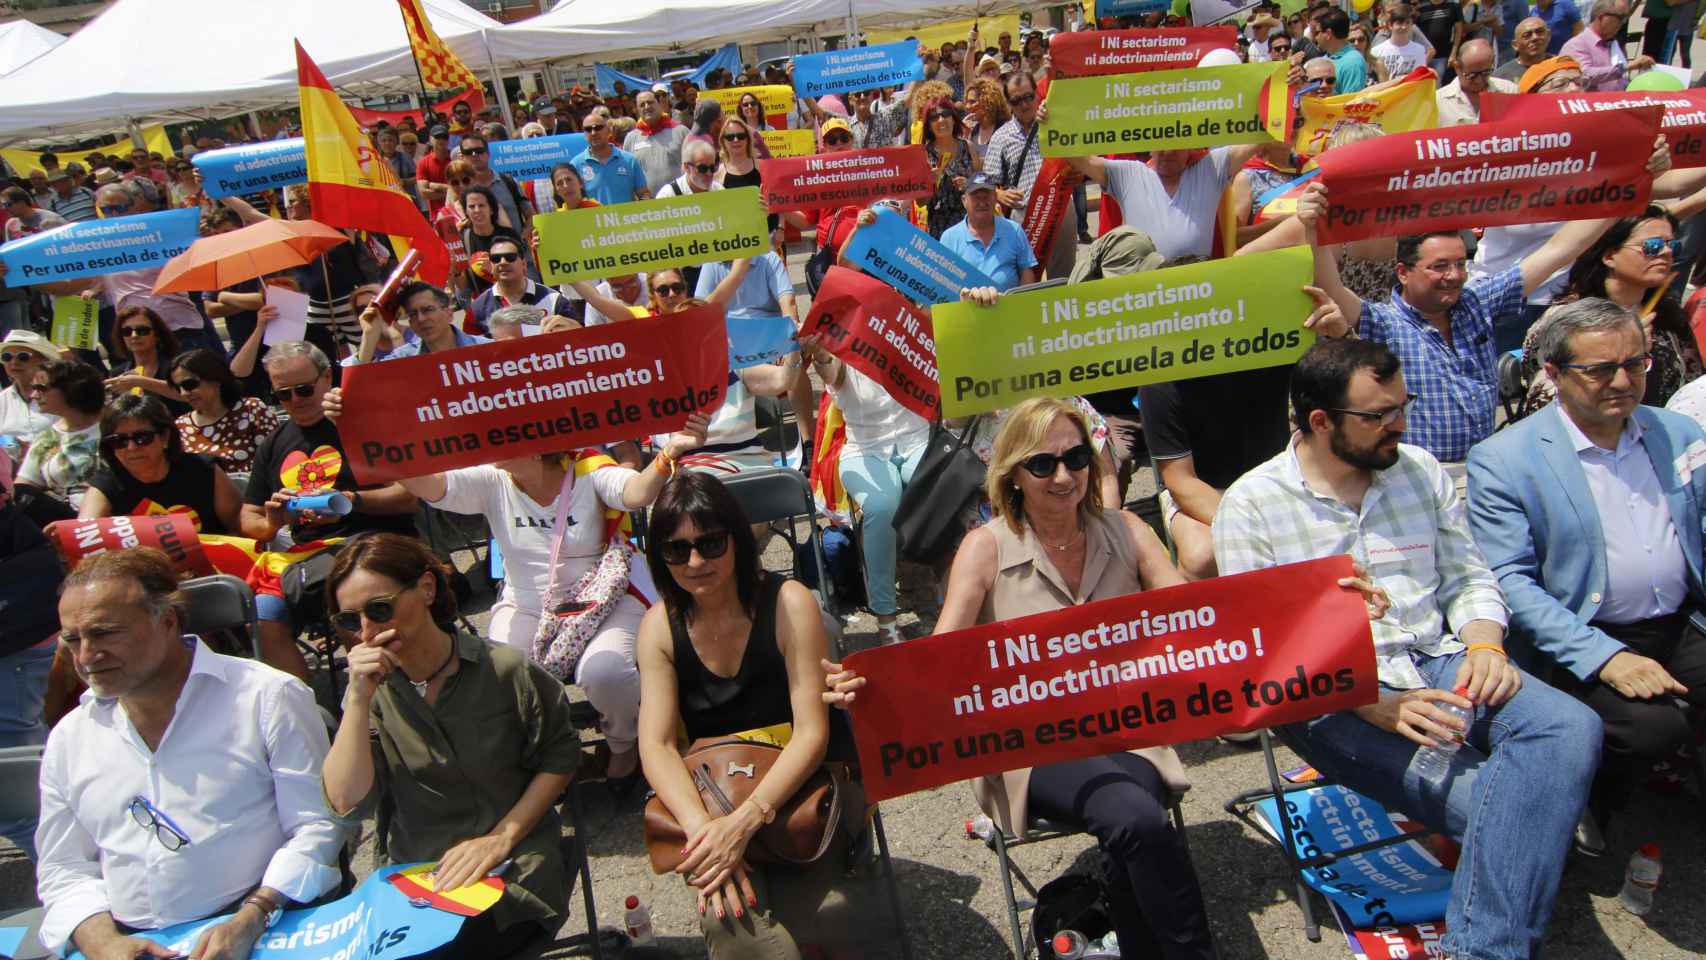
[221,261]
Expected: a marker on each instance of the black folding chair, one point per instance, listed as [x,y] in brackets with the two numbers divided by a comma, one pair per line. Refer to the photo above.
[221,610]
[780,498]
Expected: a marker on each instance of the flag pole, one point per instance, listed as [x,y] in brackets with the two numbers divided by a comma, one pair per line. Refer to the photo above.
[409,37]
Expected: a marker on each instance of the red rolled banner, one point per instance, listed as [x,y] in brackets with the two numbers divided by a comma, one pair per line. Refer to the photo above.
[873,329]
[1490,174]
[171,533]
[544,393]
[1050,196]
[1684,125]
[1165,666]
[861,177]
[1095,53]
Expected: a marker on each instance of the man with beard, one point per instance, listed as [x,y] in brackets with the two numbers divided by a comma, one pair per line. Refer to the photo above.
[1515,788]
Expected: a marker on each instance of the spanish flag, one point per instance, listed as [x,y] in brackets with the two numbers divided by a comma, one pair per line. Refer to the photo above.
[440,69]
[350,185]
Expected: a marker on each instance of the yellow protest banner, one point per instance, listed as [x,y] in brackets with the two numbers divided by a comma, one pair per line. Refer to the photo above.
[23,161]
[790,143]
[1400,108]
[76,323]
[933,35]
[1166,110]
[776,99]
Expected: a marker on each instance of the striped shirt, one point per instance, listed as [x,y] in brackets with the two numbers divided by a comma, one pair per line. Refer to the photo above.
[76,206]
[1411,534]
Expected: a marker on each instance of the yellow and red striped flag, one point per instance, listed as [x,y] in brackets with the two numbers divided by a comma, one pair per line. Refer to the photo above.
[350,184]
[440,69]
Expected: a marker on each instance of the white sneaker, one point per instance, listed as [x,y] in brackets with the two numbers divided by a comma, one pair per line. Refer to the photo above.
[889,633]
[1590,842]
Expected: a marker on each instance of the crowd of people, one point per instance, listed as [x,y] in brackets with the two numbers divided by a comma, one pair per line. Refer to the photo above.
[1480,424]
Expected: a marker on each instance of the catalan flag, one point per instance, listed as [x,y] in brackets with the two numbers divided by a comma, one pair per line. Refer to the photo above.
[350,184]
[440,69]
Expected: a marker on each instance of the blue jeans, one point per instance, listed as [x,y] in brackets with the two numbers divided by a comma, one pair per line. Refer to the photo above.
[1512,799]
[874,479]
[23,685]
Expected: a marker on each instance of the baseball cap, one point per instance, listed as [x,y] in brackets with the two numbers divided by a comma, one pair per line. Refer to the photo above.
[33,341]
[1536,75]
[978,181]
[660,87]
[835,123]
[438,130]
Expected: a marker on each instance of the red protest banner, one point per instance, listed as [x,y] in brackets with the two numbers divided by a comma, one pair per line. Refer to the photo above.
[513,398]
[1164,666]
[1050,195]
[1490,174]
[848,177]
[1094,53]
[1684,125]
[171,533]
[880,333]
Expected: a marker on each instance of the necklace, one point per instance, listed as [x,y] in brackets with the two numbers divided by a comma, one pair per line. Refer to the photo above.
[1068,543]
[421,686]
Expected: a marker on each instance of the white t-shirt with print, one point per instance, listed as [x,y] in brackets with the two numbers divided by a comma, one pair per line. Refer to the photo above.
[1400,60]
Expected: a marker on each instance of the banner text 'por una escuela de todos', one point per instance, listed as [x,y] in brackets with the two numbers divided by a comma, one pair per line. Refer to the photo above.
[1160,667]
[621,238]
[548,392]
[1220,316]
[1166,110]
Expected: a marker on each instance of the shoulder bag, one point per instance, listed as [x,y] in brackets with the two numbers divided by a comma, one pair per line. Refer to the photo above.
[823,259]
[949,477]
[570,618]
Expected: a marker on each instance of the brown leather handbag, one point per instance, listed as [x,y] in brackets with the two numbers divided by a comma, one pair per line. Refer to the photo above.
[817,818]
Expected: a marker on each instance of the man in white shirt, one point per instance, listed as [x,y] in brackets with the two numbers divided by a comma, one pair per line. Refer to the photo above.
[1460,100]
[185,785]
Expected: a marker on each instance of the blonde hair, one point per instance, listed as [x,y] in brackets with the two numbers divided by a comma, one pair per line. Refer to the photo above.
[991,93]
[723,145]
[1019,438]
[923,95]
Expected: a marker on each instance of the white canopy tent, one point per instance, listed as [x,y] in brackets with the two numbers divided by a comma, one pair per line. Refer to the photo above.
[22,41]
[164,61]
[606,31]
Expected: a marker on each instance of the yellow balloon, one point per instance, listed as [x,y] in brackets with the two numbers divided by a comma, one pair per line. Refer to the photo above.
[1361,6]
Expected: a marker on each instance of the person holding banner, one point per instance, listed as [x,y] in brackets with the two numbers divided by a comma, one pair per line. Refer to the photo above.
[145,470]
[181,785]
[1014,158]
[467,743]
[1515,789]
[62,458]
[952,161]
[993,244]
[140,338]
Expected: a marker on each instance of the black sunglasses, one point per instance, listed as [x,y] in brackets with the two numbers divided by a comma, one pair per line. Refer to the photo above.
[302,390]
[473,151]
[142,438]
[24,357]
[670,289]
[838,138]
[187,384]
[1021,99]
[706,168]
[710,546]
[1043,465]
[734,137]
[941,116]
[592,127]
[504,257]
[377,610]
[136,333]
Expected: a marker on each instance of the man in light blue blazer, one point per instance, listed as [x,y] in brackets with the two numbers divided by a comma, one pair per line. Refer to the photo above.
[1590,512]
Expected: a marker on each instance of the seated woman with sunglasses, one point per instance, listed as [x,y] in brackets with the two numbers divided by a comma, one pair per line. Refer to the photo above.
[144,467]
[222,423]
[467,743]
[62,459]
[143,338]
[519,499]
[734,651]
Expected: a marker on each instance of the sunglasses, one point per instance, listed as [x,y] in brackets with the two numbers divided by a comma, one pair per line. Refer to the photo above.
[136,333]
[670,289]
[710,546]
[302,391]
[110,209]
[705,168]
[473,151]
[734,138]
[376,610]
[835,138]
[24,357]
[1021,99]
[1043,465]
[593,127]
[504,257]
[142,438]
[465,181]
[1654,246]
[187,384]
[941,116]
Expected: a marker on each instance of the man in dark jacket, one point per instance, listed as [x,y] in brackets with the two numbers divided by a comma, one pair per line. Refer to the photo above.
[29,622]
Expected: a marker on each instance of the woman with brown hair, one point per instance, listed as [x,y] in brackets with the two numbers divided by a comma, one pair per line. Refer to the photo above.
[143,337]
[952,160]
[467,743]
[986,111]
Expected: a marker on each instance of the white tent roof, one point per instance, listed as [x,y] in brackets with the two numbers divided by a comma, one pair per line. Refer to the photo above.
[608,31]
[175,60]
[22,41]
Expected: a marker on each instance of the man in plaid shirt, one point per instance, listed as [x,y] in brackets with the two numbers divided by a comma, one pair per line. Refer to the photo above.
[1517,786]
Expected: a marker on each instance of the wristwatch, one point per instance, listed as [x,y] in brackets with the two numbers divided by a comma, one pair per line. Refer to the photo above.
[270,909]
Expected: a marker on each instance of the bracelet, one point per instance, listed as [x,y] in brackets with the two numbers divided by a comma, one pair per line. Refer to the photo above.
[765,810]
[665,463]
[1496,648]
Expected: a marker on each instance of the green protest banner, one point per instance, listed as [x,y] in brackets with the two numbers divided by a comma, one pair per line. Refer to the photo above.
[649,234]
[1166,110]
[76,323]
[1221,316]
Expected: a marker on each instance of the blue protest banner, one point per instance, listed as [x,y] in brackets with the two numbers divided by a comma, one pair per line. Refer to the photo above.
[605,76]
[377,921]
[533,158]
[907,259]
[857,68]
[252,167]
[1130,8]
[756,338]
[140,241]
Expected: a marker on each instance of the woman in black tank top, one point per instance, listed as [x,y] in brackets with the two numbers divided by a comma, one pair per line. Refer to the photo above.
[730,651]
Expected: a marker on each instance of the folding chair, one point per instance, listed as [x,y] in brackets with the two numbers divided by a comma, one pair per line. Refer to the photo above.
[1041,831]
[776,497]
[1243,806]
[456,537]
[582,866]
[220,609]
[20,782]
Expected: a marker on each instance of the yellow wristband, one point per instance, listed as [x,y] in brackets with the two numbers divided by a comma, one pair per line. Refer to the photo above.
[665,464]
[1488,646]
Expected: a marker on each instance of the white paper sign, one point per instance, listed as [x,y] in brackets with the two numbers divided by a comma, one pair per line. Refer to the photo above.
[292,320]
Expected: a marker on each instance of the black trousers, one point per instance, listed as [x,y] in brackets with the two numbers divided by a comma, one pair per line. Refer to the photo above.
[1640,733]
[1153,893]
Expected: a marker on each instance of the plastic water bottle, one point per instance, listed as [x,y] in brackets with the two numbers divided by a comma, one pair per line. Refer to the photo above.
[980,827]
[1641,880]
[1432,763]
[638,920]
[1070,945]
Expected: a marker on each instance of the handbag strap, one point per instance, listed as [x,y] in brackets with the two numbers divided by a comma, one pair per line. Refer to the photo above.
[560,525]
